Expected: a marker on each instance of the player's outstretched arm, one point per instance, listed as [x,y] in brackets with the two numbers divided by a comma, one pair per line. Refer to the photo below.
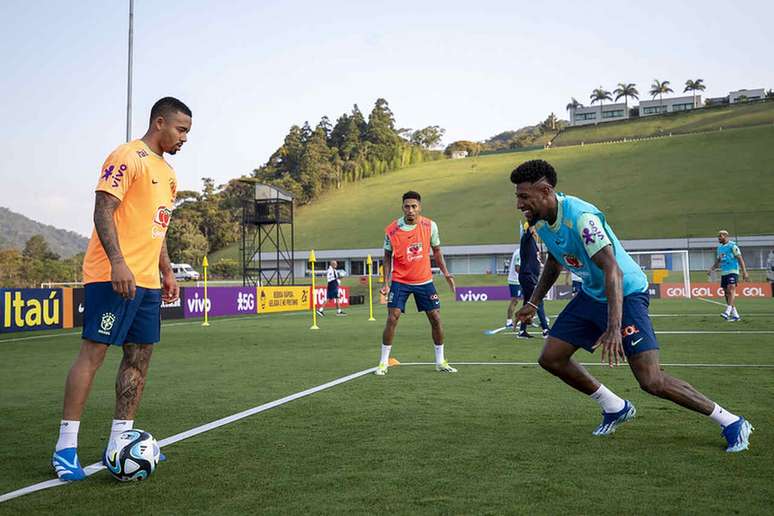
[547,279]
[438,256]
[121,277]
[612,347]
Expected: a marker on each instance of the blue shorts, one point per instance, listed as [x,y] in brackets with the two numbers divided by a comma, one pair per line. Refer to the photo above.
[515,290]
[333,290]
[110,319]
[425,296]
[729,279]
[584,320]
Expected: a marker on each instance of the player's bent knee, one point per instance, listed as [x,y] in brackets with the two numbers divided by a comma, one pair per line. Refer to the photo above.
[653,385]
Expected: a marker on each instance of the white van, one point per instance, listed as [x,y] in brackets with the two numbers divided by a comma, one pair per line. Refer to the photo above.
[183,271]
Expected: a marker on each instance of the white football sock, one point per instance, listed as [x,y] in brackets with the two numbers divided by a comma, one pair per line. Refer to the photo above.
[608,400]
[68,434]
[120,425]
[734,312]
[439,354]
[385,354]
[722,417]
[509,322]
[728,309]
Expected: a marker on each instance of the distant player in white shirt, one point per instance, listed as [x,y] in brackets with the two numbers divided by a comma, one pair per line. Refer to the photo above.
[333,276]
[513,286]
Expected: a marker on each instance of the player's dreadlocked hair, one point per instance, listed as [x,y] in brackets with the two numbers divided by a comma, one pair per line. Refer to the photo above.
[533,171]
[166,106]
[411,194]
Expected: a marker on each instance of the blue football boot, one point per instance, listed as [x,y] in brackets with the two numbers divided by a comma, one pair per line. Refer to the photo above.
[66,464]
[611,421]
[737,435]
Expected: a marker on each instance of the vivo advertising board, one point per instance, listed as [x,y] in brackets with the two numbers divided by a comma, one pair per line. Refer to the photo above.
[475,294]
[221,301]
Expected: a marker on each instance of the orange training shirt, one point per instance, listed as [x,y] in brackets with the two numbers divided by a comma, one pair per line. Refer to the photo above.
[146,186]
[411,250]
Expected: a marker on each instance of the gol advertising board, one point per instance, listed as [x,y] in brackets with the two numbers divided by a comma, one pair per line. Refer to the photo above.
[743,289]
[25,309]
[321,294]
[220,300]
[283,299]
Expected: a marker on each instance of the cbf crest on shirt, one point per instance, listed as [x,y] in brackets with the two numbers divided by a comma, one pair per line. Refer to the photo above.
[579,232]
[146,185]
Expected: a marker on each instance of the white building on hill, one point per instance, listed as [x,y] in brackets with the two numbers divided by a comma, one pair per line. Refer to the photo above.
[756,94]
[595,114]
[669,105]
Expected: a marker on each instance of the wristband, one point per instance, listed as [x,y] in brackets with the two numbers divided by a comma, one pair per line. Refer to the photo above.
[533,305]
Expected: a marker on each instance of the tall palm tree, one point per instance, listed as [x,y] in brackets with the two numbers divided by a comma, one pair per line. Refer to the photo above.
[626,90]
[659,88]
[600,95]
[694,86]
[574,104]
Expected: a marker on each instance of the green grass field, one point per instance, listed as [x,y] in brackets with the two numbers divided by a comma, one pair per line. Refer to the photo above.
[491,439]
[738,115]
[671,187]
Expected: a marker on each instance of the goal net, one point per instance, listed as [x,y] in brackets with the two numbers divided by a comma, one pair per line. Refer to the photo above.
[666,267]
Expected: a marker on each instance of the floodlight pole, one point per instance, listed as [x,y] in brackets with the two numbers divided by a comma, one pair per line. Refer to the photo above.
[129,74]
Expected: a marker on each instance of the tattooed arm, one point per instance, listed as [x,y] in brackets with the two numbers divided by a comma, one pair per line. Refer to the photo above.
[120,276]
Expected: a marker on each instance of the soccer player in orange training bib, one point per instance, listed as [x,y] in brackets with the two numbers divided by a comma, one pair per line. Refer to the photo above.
[135,195]
[407,245]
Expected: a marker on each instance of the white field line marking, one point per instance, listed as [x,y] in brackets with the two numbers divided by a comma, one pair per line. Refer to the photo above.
[710,301]
[163,325]
[97,466]
[753,366]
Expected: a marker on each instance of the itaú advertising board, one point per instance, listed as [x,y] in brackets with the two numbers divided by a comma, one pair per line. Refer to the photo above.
[743,289]
[24,309]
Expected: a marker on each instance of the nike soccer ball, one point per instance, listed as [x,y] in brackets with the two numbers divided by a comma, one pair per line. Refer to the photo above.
[133,455]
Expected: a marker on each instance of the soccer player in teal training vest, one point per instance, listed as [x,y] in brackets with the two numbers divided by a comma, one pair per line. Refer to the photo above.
[611,310]
[729,259]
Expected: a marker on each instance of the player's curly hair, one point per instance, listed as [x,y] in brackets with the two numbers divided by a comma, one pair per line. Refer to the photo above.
[411,194]
[533,171]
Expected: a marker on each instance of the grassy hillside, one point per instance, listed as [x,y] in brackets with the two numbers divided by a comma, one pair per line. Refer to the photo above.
[16,229]
[710,119]
[672,187]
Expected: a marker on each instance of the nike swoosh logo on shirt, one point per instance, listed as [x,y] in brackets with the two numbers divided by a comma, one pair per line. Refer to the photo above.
[155,181]
[637,341]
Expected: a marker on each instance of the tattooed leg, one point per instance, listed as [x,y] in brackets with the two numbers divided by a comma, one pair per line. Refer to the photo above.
[131,379]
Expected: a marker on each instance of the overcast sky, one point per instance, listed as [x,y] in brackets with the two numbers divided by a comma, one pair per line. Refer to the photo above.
[251,69]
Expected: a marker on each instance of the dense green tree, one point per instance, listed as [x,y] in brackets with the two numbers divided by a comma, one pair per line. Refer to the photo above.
[185,241]
[37,248]
[428,137]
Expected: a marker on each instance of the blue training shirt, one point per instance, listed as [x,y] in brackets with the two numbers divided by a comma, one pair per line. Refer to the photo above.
[579,232]
[727,254]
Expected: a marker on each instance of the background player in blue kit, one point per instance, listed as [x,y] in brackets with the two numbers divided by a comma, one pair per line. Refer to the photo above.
[333,276]
[610,312]
[729,260]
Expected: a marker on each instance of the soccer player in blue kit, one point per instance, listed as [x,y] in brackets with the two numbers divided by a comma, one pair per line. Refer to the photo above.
[610,312]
